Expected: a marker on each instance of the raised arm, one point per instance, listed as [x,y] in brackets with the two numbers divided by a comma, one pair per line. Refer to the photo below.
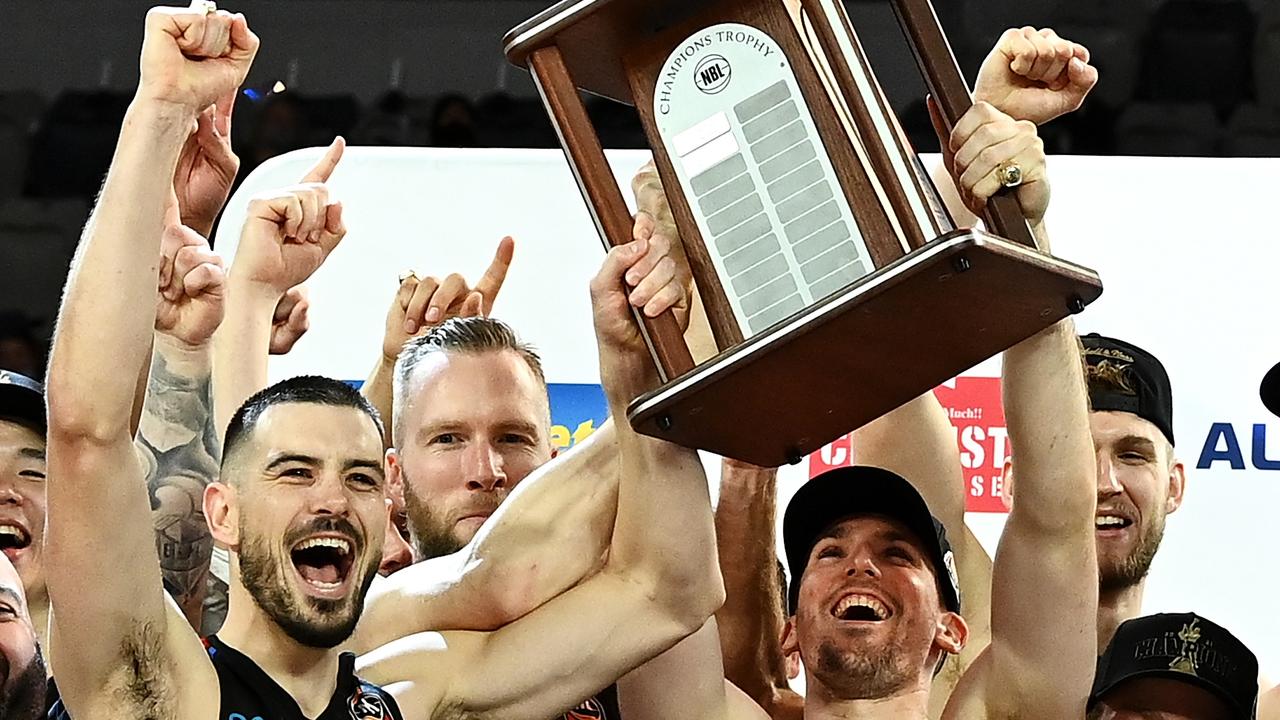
[111,627]
[659,585]
[1044,583]
[420,304]
[754,612]
[176,436]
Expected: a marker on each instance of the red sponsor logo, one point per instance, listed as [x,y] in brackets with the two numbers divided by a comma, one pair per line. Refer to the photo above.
[974,407]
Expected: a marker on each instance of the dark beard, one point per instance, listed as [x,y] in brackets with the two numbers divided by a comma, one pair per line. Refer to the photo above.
[24,696]
[260,575]
[852,676]
[429,535]
[1133,568]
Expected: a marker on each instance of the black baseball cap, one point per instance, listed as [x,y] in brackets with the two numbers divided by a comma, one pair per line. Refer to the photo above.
[1124,377]
[1183,647]
[863,490]
[22,400]
[1270,389]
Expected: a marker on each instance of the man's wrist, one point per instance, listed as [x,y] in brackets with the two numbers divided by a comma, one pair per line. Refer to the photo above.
[163,115]
[184,358]
[248,290]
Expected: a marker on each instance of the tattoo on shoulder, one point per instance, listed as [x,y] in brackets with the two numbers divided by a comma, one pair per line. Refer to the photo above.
[181,450]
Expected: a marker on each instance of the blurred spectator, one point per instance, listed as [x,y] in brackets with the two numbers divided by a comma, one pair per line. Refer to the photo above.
[281,126]
[453,122]
[21,350]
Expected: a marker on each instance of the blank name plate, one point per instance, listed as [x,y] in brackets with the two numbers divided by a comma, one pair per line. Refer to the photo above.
[763,192]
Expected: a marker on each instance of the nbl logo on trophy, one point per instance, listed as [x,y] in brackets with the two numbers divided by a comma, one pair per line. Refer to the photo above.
[832,274]
[712,74]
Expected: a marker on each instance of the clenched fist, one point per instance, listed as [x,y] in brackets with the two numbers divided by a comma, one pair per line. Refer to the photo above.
[191,288]
[1035,75]
[192,57]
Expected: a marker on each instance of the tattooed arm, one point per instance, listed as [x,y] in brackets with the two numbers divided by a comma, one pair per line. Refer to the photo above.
[180,450]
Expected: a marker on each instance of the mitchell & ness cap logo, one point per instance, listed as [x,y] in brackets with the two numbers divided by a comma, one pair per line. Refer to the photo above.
[1113,374]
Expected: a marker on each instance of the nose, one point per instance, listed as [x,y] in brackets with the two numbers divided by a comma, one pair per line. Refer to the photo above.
[1108,483]
[329,497]
[487,472]
[862,564]
[9,494]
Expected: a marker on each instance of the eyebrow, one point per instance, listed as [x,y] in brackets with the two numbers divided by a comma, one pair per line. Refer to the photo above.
[288,458]
[1136,442]
[13,595]
[367,464]
[33,453]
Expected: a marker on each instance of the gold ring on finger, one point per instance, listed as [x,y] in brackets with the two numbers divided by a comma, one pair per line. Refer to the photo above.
[408,274]
[209,6]
[1010,174]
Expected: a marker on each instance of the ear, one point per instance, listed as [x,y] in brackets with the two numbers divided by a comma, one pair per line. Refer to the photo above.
[790,644]
[1177,485]
[1006,484]
[952,633]
[395,477]
[222,513]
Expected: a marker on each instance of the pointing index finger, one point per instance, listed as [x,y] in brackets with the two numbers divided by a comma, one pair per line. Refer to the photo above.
[323,169]
[491,282]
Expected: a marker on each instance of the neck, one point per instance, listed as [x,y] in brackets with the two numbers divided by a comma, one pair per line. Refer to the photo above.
[309,675]
[821,704]
[1116,606]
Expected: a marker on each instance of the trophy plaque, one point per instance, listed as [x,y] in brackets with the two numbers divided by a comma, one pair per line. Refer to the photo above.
[835,282]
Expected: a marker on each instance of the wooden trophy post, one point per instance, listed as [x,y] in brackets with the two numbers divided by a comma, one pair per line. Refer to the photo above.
[835,283]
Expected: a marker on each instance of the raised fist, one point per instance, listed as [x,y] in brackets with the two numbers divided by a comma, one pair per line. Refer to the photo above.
[422,303]
[191,288]
[193,56]
[1035,75]
[289,233]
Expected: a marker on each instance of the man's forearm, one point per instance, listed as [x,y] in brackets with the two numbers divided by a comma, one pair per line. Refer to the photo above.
[664,534]
[753,613]
[546,537]
[379,390]
[177,436]
[105,323]
[241,348]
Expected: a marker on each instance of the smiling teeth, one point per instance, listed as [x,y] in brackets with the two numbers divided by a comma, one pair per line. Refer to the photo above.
[342,546]
[13,530]
[1109,521]
[862,601]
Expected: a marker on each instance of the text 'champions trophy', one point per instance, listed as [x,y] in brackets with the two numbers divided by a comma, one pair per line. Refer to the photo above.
[835,282]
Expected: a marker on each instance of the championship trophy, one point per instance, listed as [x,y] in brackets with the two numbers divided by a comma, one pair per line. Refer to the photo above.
[836,284]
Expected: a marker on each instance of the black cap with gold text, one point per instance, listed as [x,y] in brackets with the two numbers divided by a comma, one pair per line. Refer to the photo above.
[1124,377]
[1183,647]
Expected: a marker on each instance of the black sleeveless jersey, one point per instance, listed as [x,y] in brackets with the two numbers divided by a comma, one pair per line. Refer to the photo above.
[604,706]
[248,693]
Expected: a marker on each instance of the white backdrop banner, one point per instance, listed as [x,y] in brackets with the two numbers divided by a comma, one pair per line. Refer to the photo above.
[1183,246]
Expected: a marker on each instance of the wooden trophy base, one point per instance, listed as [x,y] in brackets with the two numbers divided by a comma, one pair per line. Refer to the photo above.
[866,350]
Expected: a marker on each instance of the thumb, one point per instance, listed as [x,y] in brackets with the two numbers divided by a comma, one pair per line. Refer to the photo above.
[609,280]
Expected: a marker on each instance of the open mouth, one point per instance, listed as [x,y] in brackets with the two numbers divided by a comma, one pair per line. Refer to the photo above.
[1111,522]
[858,607]
[324,563]
[13,538]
